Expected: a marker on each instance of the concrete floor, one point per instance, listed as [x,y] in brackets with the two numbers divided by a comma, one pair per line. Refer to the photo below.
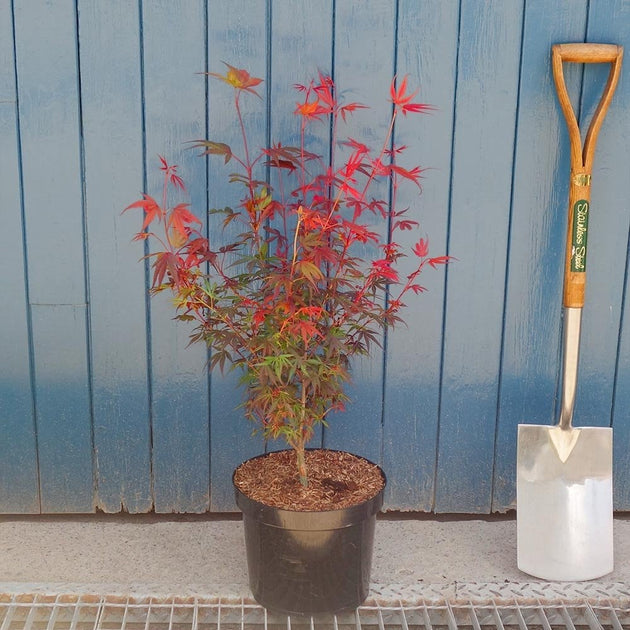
[205,555]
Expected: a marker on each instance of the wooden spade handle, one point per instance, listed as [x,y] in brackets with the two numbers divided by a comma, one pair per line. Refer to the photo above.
[588,53]
[581,156]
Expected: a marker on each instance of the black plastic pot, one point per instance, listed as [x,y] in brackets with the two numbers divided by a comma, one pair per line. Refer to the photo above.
[309,562]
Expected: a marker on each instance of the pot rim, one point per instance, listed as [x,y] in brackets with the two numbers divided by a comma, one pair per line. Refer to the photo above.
[298,519]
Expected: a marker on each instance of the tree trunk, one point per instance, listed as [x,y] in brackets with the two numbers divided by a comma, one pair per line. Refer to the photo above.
[301,462]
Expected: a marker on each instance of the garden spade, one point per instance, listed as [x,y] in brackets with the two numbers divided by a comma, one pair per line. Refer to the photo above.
[564,473]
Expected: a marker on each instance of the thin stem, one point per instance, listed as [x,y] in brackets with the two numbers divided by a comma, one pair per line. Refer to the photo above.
[249,169]
[301,462]
[300,213]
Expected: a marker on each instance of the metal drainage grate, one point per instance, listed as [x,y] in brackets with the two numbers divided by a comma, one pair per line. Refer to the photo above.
[43,612]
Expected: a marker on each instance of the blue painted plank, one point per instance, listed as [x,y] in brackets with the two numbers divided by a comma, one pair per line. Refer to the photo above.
[610,22]
[299,49]
[533,306]
[19,491]
[621,418]
[427,48]
[364,64]
[608,229]
[238,37]
[49,123]
[112,136]
[64,434]
[487,82]
[46,49]
[174,51]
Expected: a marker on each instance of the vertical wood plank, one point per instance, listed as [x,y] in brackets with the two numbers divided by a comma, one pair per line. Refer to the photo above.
[363,70]
[64,433]
[174,52]
[607,289]
[427,48]
[488,64]
[608,228]
[49,121]
[19,491]
[238,37]
[299,49]
[112,134]
[531,346]
[46,46]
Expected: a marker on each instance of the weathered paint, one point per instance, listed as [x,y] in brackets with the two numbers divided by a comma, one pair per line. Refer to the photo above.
[242,32]
[111,108]
[612,314]
[530,359]
[485,112]
[102,406]
[363,59]
[19,490]
[50,144]
[312,41]
[427,49]
[62,404]
[609,222]
[174,51]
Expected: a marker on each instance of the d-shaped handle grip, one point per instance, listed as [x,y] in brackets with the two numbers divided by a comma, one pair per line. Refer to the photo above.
[581,156]
[589,53]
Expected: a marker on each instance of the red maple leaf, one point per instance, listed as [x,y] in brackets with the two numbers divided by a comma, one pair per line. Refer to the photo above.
[152,209]
[421,248]
[166,263]
[180,218]
[311,109]
[349,108]
[405,224]
[325,90]
[383,269]
[402,100]
[213,148]
[170,171]
[239,79]
[439,260]
[413,175]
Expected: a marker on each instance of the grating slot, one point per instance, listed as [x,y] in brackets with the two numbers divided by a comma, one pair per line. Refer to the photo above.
[520,619]
[52,619]
[568,622]
[592,620]
[544,622]
[474,620]
[403,618]
[75,617]
[42,612]
[610,614]
[8,617]
[147,623]
[497,617]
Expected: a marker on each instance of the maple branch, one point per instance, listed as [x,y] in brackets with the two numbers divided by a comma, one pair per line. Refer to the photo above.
[300,213]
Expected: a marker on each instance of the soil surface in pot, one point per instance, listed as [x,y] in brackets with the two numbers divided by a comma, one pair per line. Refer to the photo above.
[336,480]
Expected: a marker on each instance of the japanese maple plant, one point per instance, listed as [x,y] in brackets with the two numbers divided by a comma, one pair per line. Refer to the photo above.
[293,297]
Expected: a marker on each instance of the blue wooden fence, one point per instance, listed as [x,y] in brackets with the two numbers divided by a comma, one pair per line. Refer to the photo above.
[102,406]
